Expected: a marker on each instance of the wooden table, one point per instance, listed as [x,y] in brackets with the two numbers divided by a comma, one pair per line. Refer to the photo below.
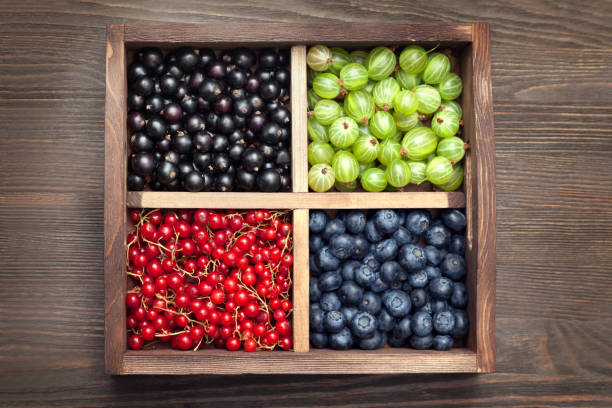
[552,89]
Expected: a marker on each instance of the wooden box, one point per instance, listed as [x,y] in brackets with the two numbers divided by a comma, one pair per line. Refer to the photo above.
[477,197]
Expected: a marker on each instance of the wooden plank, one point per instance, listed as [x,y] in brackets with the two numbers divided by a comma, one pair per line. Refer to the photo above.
[295,34]
[114,200]
[485,218]
[299,132]
[157,199]
[469,183]
[325,361]
[301,277]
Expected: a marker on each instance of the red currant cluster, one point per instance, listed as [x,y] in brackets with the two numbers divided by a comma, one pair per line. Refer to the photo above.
[213,277]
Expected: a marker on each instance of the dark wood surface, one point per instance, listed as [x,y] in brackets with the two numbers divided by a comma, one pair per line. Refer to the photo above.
[552,92]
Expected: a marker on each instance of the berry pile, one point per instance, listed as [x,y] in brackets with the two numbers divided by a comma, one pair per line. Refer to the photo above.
[213,277]
[372,283]
[385,117]
[207,122]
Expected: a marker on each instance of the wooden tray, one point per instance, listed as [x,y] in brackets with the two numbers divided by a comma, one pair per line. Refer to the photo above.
[478,198]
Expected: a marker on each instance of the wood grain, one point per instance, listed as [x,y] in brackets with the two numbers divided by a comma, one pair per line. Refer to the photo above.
[114,201]
[299,124]
[482,169]
[301,276]
[553,121]
[154,199]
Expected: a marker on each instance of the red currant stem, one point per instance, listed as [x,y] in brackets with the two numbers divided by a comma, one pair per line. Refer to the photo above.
[150,344]
[198,345]
[170,334]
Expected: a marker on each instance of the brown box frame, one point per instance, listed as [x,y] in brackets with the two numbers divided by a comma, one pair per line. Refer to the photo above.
[478,198]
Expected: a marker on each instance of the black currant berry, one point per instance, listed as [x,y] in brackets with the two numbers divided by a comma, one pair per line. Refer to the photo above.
[223,104]
[154,104]
[135,182]
[267,58]
[207,56]
[193,181]
[271,133]
[221,163]
[268,180]
[156,128]
[173,157]
[225,182]
[143,163]
[216,70]
[256,121]
[135,102]
[189,104]
[246,180]
[220,143]
[136,121]
[252,159]
[187,59]
[166,173]
[243,57]
[226,124]
[163,145]
[236,78]
[185,167]
[252,84]
[242,107]
[282,76]
[143,86]
[136,70]
[194,123]
[203,141]
[202,160]
[235,152]
[150,57]
[182,143]
[269,90]
[139,142]
[210,89]
[281,115]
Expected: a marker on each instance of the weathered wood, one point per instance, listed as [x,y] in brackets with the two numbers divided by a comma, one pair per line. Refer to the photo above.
[155,199]
[114,200]
[317,361]
[299,138]
[483,204]
[292,34]
[301,276]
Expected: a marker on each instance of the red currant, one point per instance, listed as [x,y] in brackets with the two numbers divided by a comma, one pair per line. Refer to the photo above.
[135,342]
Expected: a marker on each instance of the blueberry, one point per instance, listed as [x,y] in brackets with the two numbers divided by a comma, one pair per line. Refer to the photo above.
[462,324]
[453,267]
[403,328]
[403,275]
[397,341]
[371,261]
[350,293]
[421,323]
[373,342]
[343,340]
[326,260]
[418,297]
[457,245]
[459,296]
[349,312]
[386,322]
[401,215]
[314,268]
[318,340]
[334,321]
[403,236]
[426,308]
[438,235]
[386,250]
[378,285]
[363,325]
[439,305]
[444,322]
[355,221]
[443,252]
[454,219]
[315,242]
[396,285]
[418,279]
[330,301]
[317,317]
[342,245]
[329,281]
[315,292]
[361,247]
[364,275]
[317,222]
[333,227]
[389,272]
[372,234]
[432,272]
[417,221]
[433,255]
[387,221]
[397,303]
[421,342]
[348,269]
[406,287]
[441,288]
[371,303]
[442,342]
[412,257]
